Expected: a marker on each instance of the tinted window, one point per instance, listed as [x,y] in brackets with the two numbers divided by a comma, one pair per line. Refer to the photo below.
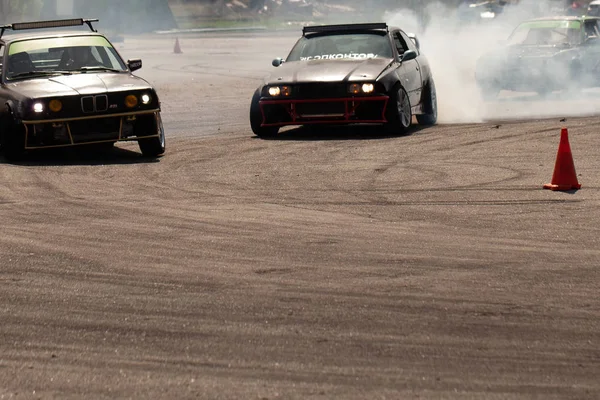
[75,53]
[343,46]
[546,33]
[400,43]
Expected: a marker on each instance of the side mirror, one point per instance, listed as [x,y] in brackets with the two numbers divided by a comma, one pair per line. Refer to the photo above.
[415,40]
[278,61]
[408,55]
[134,64]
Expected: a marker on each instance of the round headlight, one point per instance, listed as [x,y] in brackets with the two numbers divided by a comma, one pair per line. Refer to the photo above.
[146,98]
[368,88]
[274,91]
[131,101]
[38,107]
[354,88]
[55,105]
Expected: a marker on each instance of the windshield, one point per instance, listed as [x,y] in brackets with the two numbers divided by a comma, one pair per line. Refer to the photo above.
[49,56]
[344,46]
[546,33]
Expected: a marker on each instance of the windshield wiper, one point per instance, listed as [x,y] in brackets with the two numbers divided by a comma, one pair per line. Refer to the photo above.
[97,68]
[39,73]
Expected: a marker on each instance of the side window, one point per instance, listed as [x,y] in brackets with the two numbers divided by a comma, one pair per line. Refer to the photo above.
[410,45]
[591,29]
[400,43]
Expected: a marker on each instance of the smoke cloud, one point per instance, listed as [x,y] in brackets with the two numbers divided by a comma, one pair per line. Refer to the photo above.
[453,45]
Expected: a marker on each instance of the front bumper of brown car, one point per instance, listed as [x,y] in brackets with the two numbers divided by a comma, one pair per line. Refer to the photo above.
[129,126]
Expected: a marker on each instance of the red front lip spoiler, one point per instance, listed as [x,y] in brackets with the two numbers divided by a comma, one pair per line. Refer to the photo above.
[350,105]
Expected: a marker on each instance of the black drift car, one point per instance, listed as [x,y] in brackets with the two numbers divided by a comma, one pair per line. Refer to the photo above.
[65,88]
[347,74]
[542,55]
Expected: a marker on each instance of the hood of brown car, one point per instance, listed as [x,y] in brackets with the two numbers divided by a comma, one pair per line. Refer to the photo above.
[341,70]
[78,84]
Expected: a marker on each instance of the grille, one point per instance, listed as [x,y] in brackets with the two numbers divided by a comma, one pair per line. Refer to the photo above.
[320,90]
[101,102]
[333,109]
[87,104]
[95,129]
[94,103]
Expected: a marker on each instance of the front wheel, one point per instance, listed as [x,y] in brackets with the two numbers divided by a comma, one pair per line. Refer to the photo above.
[154,146]
[256,119]
[399,112]
[12,138]
[429,106]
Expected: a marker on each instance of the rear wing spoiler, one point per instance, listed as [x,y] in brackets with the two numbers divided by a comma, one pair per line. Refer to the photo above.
[344,27]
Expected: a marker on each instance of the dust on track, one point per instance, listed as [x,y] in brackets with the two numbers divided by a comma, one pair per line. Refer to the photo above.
[337,264]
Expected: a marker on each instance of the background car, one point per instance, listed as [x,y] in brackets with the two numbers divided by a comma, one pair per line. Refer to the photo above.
[68,88]
[594,8]
[347,74]
[479,11]
[544,55]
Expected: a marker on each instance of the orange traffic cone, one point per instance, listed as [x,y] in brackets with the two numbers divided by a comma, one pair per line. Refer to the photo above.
[564,176]
[177,48]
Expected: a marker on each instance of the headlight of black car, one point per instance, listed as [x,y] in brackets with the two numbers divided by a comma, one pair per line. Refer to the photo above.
[278,91]
[361,88]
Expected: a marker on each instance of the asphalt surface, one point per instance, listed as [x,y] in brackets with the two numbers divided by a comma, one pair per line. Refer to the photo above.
[333,264]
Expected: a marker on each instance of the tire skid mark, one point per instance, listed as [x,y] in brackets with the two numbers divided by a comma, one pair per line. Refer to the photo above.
[209,71]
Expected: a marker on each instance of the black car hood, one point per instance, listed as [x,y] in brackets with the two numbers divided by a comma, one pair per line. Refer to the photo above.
[78,84]
[329,71]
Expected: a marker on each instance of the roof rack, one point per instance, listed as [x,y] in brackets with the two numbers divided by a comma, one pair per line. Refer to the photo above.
[343,27]
[57,23]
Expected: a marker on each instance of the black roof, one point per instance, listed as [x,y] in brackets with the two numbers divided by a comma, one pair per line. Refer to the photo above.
[344,28]
[58,23]
[6,39]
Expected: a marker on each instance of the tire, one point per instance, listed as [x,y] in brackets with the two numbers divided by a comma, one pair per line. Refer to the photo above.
[154,146]
[429,106]
[256,119]
[399,112]
[12,138]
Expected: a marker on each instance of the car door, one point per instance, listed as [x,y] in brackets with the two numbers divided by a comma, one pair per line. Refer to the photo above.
[408,72]
[591,49]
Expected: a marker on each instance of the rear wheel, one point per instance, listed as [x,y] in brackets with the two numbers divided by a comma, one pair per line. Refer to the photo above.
[154,146]
[12,138]
[399,113]
[429,106]
[256,119]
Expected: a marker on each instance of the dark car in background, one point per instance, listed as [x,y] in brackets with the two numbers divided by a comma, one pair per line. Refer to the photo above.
[67,88]
[542,55]
[479,11]
[347,74]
